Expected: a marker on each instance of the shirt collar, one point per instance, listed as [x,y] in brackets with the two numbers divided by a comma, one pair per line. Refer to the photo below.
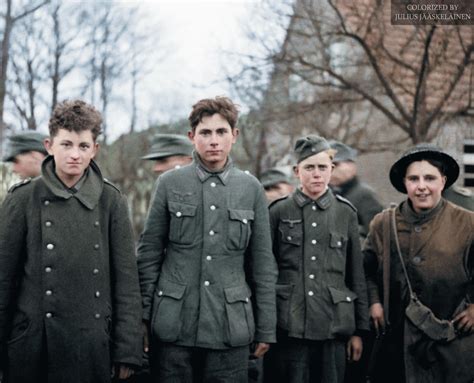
[419,218]
[323,202]
[204,172]
[90,185]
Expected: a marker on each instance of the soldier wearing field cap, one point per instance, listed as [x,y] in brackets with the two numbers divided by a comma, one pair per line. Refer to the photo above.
[344,181]
[26,151]
[321,291]
[276,184]
[169,151]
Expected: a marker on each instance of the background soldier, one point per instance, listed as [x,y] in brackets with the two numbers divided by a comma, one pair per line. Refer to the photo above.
[26,151]
[460,196]
[207,272]
[276,184]
[344,181]
[169,151]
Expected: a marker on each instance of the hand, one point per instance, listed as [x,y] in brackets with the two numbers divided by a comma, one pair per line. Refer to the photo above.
[354,348]
[464,321]
[377,316]
[124,372]
[261,349]
[146,337]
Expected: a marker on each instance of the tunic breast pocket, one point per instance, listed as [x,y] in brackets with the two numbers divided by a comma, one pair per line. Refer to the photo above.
[240,228]
[182,223]
[337,253]
[291,231]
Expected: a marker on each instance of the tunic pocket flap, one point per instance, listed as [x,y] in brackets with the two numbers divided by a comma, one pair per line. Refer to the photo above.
[237,294]
[241,215]
[171,289]
[182,209]
[336,241]
[342,295]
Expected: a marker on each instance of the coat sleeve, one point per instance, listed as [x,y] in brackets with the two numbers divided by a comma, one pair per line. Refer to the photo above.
[13,232]
[372,253]
[151,247]
[263,272]
[355,277]
[127,338]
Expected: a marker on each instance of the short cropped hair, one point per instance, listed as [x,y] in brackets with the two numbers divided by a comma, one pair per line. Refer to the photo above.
[75,116]
[210,106]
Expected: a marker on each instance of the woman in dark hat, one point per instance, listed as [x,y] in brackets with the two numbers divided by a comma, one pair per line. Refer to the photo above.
[419,262]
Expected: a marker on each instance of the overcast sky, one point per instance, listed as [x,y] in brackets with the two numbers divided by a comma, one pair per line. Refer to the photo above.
[190,38]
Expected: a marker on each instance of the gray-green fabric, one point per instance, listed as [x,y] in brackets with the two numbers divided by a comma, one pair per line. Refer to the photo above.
[272,177]
[166,145]
[74,257]
[23,143]
[321,290]
[310,145]
[207,272]
[343,152]
[460,196]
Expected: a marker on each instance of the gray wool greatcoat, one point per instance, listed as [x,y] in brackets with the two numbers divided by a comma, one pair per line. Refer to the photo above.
[207,273]
[69,292]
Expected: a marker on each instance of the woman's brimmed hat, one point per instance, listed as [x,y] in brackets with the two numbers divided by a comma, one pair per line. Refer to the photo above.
[418,153]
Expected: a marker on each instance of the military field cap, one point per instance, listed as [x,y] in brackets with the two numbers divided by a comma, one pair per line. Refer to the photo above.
[166,145]
[343,152]
[272,177]
[310,145]
[423,152]
[23,143]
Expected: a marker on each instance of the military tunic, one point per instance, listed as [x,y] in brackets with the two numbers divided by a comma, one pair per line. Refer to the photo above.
[438,253]
[205,259]
[69,293]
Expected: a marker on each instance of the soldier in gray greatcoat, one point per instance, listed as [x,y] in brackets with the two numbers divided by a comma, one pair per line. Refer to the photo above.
[207,273]
[69,295]
[344,181]
[321,291]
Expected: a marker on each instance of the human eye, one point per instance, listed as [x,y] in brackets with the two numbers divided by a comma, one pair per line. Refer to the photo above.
[322,167]
[66,144]
[221,131]
[309,168]
[84,146]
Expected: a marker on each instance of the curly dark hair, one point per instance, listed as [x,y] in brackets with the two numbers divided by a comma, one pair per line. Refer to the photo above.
[209,106]
[75,116]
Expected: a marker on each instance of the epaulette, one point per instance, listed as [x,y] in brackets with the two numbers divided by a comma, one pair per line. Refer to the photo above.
[275,201]
[346,201]
[462,191]
[111,184]
[20,184]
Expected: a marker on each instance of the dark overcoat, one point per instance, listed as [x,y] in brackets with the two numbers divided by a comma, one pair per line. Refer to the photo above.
[69,293]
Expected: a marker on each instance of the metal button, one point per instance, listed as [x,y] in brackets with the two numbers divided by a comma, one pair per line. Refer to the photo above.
[311,276]
[418,229]
[310,293]
[246,299]
[313,258]
[49,315]
[213,207]
[339,243]
[46,203]
[313,207]
[314,224]
[211,232]
[160,293]
[213,185]
[50,246]
[208,258]
[48,292]
[289,238]
[95,271]
[96,246]
[97,316]
[178,214]
[348,299]
[96,223]
[246,172]
[314,242]
[97,294]
[48,223]
[207,283]
[416,259]
[245,221]
[47,269]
